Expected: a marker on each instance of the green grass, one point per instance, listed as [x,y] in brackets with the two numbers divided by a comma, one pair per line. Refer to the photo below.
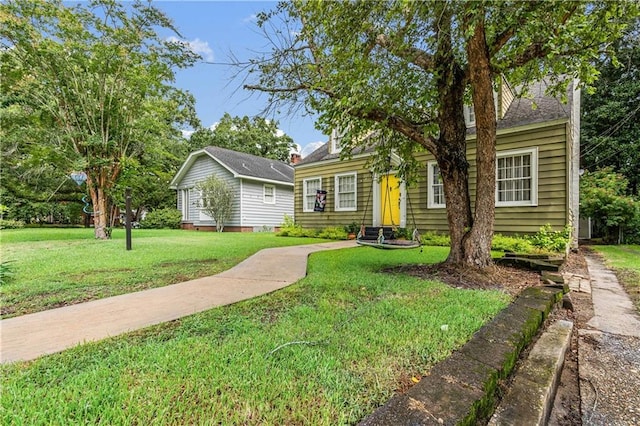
[56,267]
[361,334]
[625,260]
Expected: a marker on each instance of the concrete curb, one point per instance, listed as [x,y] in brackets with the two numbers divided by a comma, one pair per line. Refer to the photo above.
[530,397]
[462,390]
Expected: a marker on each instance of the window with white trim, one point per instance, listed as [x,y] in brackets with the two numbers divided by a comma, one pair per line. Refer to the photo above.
[269,194]
[346,192]
[517,178]
[435,189]
[309,188]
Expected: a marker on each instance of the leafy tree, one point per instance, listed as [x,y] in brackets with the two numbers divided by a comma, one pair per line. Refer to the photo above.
[610,134]
[257,136]
[98,74]
[603,198]
[406,70]
[217,200]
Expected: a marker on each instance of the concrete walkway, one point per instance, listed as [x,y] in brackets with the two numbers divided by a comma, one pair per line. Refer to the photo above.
[609,353]
[30,336]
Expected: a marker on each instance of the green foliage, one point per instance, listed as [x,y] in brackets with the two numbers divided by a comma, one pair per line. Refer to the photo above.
[289,228]
[603,198]
[168,218]
[352,228]
[511,243]
[11,224]
[217,198]
[432,238]
[257,136]
[92,85]
[333,233]
[609,125]
[547,239]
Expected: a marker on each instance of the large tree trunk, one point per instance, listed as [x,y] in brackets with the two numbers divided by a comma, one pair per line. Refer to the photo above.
[477,243]
[451,153]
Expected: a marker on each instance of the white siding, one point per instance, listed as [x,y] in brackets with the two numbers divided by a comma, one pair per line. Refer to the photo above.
[257,213]
[202,168]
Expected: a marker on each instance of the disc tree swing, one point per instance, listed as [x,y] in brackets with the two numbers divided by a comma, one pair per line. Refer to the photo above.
[382,237]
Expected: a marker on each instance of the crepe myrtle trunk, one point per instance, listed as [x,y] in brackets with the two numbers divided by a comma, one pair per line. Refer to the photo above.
[99,208]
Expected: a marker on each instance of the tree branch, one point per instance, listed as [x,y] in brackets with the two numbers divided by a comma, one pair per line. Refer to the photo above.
[412,54]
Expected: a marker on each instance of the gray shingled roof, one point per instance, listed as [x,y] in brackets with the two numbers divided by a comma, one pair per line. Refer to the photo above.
[252,166]
[520,113]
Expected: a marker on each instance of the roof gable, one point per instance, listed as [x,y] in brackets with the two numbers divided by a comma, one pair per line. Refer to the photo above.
[241,165]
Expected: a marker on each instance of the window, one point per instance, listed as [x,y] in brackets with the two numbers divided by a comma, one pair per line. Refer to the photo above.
[184,206]
[517,178]
[269,194]
[435,198]
[346,192]
[309,188]
[469,116]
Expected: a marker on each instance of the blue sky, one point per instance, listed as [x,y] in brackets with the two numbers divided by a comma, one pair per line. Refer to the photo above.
[215,29]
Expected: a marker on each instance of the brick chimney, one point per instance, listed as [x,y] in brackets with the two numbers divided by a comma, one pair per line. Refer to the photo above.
[295,158]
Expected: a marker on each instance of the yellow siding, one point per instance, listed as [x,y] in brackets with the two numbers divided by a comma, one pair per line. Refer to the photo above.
[551,142]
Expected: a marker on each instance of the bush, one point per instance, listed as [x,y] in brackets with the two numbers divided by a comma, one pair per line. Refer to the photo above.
[432,238]
[511,243]
[289,228]
[162,218]
[11,224]
[333,233]
[549,240]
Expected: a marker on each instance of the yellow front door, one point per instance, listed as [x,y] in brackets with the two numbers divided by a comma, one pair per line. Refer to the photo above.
[390,200]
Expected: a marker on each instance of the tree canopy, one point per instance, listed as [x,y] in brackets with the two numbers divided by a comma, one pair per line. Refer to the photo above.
[611,114]
[406,70]
[257,136]
[99,75]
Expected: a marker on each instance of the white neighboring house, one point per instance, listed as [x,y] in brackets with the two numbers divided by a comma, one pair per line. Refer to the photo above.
[263,189]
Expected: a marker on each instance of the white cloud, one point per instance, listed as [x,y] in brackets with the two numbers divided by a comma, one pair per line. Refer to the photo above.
[310,147]
[251,18]
[187,133]
[197,46]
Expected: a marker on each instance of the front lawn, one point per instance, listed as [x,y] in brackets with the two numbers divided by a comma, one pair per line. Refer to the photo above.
[625,260]
[56,267]
[325,351]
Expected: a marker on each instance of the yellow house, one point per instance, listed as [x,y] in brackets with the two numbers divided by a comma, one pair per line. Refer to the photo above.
[537,162]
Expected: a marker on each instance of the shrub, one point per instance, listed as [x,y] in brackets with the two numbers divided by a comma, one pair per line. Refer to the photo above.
[549,240]
[432,238]
[11,224]
[162,218]
[333,233]
[511,243]
[289,228]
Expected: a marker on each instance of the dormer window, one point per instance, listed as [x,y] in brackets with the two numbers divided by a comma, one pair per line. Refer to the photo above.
[469,116]
[336,142]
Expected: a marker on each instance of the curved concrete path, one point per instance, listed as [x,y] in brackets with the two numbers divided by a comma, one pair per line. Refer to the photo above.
[30,336]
